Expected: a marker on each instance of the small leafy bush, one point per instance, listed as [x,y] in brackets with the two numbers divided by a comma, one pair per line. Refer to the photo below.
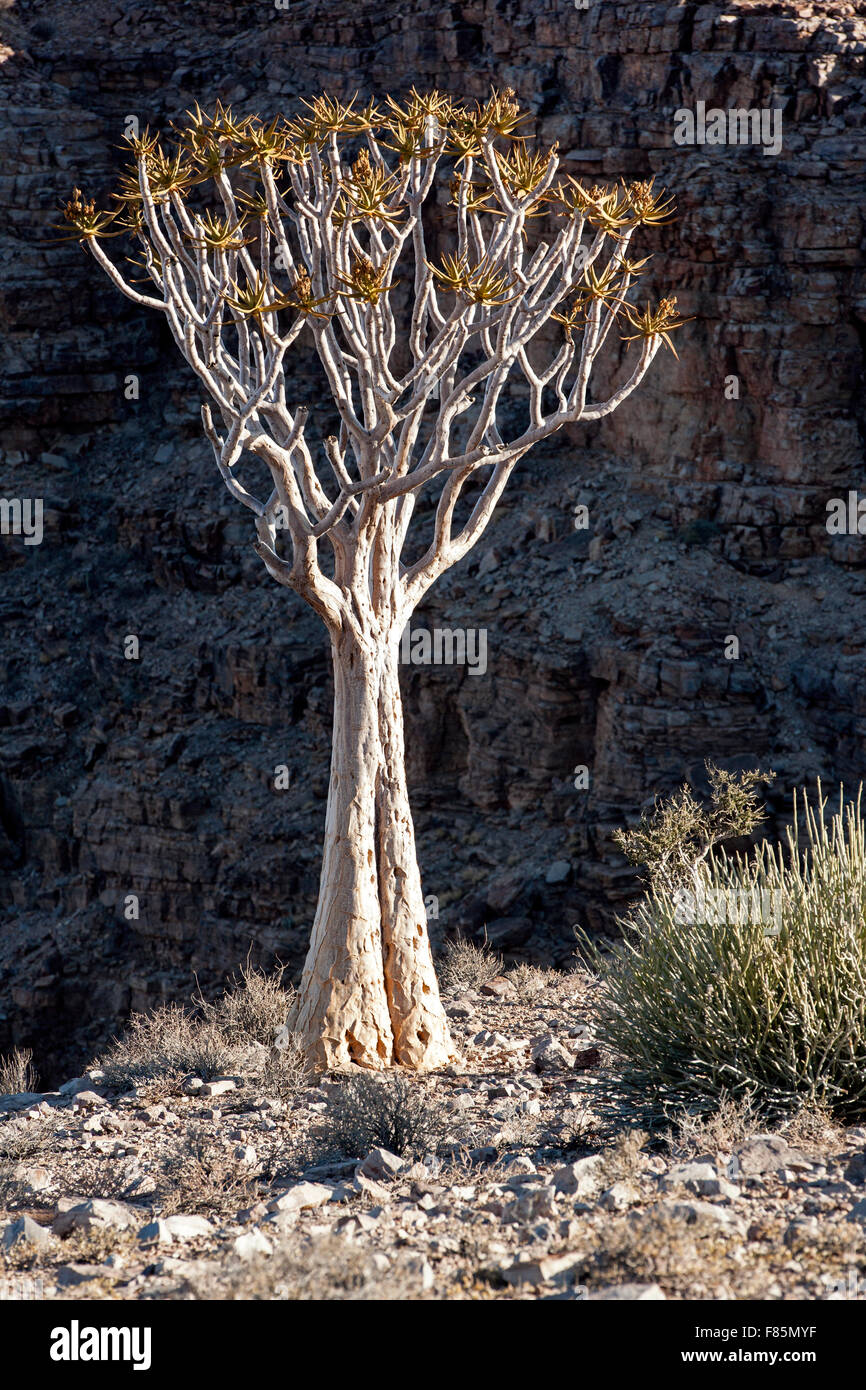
[175,1041]
[746,977]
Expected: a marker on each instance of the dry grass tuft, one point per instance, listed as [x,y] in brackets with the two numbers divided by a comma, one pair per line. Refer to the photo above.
[466,966]
[17,1072]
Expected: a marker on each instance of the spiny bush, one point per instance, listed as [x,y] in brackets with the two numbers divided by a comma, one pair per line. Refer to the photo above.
[746,976]
[166,1045]
[530,980]
[253,1007]
[288,1070]
[22,1138]
[174,1041]
[731,1121]
[26,1136]
[466,966]
[204,1177]
[393,1113]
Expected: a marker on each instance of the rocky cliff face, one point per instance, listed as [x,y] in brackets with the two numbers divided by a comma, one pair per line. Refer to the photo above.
[606,649]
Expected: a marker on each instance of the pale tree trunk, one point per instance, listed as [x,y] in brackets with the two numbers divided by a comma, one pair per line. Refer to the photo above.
[368,995]
[421,1037]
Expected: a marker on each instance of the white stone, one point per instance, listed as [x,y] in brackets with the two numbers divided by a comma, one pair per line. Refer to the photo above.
[252,1243]
[93,1214]
[302,1197]
[218,1088]
[380,1164]
[24,1231]
[184,1227]
[584,1178]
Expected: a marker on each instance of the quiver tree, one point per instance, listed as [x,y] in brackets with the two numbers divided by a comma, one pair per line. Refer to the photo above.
[253,237]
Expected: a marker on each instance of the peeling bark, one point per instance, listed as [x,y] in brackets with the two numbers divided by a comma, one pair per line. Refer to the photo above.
[368,995]
[421,1037]
[342,1010]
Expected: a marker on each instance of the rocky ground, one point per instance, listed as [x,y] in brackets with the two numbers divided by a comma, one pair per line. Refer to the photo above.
[533,1178]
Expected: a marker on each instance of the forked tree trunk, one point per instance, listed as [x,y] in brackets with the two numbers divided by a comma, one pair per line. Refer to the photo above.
[368,995]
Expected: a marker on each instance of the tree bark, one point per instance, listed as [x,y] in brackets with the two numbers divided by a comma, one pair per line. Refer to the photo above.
[368,995]
[421,1036]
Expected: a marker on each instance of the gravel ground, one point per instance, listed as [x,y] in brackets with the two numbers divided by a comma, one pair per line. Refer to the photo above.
[532,1177]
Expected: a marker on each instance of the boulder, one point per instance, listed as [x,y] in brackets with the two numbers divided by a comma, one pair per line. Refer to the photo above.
[23,1231]
[94,1213]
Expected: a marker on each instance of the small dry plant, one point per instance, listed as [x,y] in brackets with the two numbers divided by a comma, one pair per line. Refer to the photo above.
[466,966]
[17,1072]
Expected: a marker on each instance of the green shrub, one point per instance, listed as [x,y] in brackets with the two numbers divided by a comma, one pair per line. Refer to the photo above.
[747,976]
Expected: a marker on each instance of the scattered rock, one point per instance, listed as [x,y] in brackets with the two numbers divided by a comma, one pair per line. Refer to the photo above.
[635,1293]
[460,1009]
[548,1053]
[24,1231]
[76,1085]
[380,1164]
[855,1170]
[694,1211]
[218,1088]
[583,1179]
[587,1057]
[95,1213]
[498,988]
[188,1227]
[619,1197]
[559,872]
[700,1178]
[423,1270]
[508,933]
[32,1177]
[361,1183]
[766,1153]
[804,1231]
[252,1243]
[519,1163]
[496,1042]
[155,1233]
[68,1276]
[302,1197]
[537,1204]
[89,1099]
[22,1100]
[541,1271]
